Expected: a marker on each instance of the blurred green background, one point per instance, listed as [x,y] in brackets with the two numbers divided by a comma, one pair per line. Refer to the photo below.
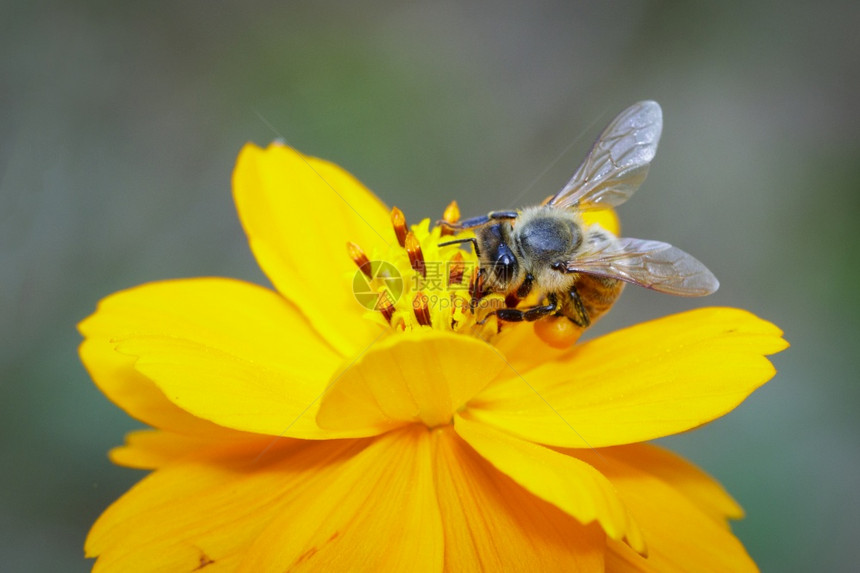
[120,124]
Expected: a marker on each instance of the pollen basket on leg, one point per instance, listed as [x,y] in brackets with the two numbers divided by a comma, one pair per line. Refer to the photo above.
[416,283]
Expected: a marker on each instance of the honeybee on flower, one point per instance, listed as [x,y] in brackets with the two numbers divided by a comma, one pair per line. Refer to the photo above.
[572,269]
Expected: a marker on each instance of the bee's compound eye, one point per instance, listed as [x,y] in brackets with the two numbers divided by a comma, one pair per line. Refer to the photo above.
[505,267]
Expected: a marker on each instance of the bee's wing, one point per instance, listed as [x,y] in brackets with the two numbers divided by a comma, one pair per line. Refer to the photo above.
[651,264]
[618,162]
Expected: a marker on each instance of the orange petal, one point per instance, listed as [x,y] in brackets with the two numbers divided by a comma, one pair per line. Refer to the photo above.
[651,380]
[226,351]
[209,508]
[379,514]
[299,212]
[492,524]
[569,484]
[680,536]
[523,349]
[423,375]
[150,449]
[700,488]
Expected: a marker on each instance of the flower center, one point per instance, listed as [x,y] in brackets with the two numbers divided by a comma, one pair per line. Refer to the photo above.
[416,283]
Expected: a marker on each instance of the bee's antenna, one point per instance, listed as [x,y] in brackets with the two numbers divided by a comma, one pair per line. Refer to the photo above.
[472,240]
[552,163]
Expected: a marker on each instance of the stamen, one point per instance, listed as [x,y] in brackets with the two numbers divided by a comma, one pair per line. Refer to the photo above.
[359,258]
[398,221]
[385,305]
[451,215]
[421,310]
[456,269]
[416,257]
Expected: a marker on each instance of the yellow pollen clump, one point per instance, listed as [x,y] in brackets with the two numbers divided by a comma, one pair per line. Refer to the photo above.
[557,331]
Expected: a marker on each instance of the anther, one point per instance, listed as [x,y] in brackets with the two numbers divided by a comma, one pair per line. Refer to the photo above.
[359,258]
[416,257]
[398,221]
[456,269]
[451,215]
[385,305]
[421,310]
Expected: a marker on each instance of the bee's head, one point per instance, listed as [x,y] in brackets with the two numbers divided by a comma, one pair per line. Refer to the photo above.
[498,260]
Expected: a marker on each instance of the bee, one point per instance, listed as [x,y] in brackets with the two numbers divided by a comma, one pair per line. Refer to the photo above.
[574,270]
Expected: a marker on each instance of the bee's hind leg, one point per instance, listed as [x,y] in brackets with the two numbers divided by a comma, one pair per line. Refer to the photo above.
[577,312]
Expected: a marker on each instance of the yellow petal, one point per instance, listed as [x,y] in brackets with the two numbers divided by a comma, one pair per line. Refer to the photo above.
[423,375]
[115,375]
[230,352]
[379,514]
[492,524]
[651,380]
[231,391]
[700,488]
[299,212]
[209,508]
[566,482]
[680,536]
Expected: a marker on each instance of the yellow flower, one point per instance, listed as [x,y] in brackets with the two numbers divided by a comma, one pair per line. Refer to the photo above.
[297,429]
